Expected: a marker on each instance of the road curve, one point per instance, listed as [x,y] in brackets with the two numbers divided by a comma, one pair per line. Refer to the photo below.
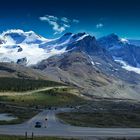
[54,127]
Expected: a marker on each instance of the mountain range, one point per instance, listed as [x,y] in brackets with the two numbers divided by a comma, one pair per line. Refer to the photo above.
[107,67]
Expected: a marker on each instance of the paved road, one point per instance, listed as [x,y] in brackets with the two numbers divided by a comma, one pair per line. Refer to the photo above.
[53,127]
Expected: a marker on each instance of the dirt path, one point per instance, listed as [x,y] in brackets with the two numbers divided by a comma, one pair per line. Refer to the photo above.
[29,92]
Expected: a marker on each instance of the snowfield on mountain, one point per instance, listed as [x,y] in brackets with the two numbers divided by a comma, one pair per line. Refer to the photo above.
[17,45]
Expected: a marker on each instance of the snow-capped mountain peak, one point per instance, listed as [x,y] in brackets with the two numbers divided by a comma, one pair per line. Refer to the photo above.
[124,40]
[19,36]
[64,41]
[17,45]
[112,40]
[29,48]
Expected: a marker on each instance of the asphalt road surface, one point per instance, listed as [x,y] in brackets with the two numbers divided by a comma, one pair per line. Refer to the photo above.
[54,127]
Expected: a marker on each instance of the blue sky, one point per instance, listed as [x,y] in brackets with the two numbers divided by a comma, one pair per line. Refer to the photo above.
[51,18]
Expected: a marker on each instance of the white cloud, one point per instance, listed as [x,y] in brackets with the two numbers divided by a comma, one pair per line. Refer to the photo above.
[75,21]
[59,25]
[64,19]
[99,25]
[46,17]
[52,20]
[56,27]
[67,26]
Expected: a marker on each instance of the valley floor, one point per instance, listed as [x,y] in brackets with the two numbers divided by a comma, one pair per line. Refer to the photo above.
[63,106]
[103,119]
[24,105]
[105,114]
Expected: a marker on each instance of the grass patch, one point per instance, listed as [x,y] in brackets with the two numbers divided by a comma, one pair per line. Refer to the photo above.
[21,106]
[2,137]
[21,85]
[52,97]
[102,119]
[35,138]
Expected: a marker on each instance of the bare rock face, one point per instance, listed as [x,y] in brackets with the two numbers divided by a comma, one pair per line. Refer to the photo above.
[87,44]
[17,71]
[74,68]
[20,49]
[22,61]
[124,50]
[2,41]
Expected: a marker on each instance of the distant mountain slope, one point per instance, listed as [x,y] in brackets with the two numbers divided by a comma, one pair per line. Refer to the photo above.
[16,71]
[16,78]
[134,42]
[122,50]
[76,69]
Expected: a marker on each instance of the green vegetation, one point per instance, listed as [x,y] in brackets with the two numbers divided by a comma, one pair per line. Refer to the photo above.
[25,106]
[52,97]
[20,85]
[35,138]
[102,119]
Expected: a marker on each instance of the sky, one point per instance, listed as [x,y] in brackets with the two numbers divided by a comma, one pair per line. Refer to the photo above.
[52,18]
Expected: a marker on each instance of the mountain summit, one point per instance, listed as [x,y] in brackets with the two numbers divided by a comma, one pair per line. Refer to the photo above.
[17,44]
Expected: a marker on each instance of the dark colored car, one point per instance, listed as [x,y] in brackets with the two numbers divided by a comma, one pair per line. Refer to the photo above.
[38,124]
